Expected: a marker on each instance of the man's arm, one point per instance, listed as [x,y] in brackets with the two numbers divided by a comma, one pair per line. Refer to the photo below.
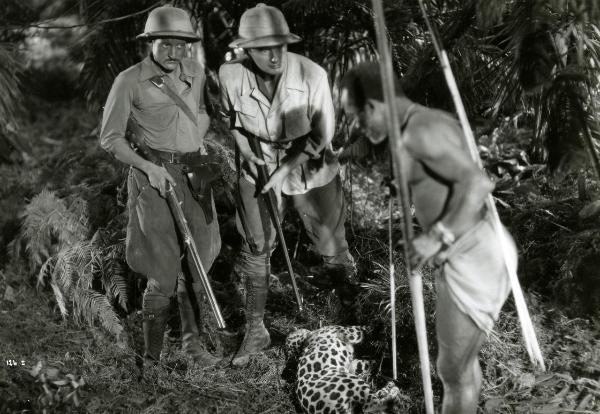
[112,135]
[227,113]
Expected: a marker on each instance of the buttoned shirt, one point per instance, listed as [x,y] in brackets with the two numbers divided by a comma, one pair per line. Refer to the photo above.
[301,104]
[165,125]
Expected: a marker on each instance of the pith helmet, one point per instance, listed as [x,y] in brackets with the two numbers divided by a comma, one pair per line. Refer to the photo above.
[263,26]
[168,21]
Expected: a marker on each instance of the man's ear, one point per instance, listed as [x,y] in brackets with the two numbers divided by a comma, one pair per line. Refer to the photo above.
[370,106]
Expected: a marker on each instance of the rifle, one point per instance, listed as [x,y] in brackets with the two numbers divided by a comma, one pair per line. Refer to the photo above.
[135,137]
[271,202]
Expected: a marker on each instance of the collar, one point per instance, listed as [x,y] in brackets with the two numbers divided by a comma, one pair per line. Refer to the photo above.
[292,78]
[189,70]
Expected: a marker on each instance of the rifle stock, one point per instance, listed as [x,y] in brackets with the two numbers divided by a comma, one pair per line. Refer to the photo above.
[134,136]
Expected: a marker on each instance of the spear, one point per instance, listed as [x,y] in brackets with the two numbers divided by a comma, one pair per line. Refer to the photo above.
[529,337]
[397,147]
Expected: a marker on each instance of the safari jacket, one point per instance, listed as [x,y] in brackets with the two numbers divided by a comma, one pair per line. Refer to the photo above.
[166,126]
[301,104]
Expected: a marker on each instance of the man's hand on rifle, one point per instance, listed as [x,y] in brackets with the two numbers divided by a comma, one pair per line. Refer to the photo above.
[158,177]
[276,180]
[251,161]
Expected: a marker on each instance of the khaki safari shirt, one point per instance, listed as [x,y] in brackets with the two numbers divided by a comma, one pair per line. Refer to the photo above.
[301,104]
[166,126]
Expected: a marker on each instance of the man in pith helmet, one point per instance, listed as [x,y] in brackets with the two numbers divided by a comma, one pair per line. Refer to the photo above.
[163,95]
[283,101]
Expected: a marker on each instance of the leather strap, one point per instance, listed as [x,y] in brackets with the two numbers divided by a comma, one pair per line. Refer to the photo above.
[160,83]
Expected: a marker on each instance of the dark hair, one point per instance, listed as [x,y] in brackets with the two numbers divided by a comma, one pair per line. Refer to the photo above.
[363,82]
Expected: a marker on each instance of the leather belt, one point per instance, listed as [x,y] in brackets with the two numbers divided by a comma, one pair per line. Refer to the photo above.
[188,158]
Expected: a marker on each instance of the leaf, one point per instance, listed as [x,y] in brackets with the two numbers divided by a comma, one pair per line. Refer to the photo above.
[526,380]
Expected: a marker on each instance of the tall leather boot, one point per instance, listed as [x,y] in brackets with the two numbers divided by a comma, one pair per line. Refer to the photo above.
[155,310]
[347,288]
[192,339]
[256,337]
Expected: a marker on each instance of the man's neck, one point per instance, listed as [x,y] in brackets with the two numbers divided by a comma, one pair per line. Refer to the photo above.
[267,83]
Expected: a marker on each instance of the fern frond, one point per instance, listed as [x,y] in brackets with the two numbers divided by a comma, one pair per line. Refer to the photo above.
[46,271]
[41,216]
[114,279]
[48,225]
[91,306]
[60,299]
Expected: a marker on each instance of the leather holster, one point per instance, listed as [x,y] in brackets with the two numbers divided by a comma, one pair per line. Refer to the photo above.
[201,173]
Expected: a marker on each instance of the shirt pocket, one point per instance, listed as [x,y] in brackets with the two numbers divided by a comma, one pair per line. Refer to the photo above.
[246,114]
[296,117]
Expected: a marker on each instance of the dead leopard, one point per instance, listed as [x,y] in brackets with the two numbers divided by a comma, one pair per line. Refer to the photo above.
[330,380]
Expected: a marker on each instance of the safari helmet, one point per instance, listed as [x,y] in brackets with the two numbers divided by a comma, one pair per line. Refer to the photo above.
[263,26]
[169,21]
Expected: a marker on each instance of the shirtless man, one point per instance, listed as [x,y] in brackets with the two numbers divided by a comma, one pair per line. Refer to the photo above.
[448,191]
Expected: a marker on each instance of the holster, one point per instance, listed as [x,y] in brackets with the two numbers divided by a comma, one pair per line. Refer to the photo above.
[201,172]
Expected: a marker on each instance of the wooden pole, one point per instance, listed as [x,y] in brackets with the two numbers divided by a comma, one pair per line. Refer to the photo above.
[396,147]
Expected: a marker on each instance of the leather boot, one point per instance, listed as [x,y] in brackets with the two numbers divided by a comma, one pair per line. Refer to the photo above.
[256,337]
[192,339]
[155,309]
[347,289]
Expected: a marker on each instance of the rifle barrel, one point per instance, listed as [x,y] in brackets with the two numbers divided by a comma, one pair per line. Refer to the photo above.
[193,251]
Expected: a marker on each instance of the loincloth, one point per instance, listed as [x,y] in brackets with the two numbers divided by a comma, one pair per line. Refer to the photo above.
[474,273]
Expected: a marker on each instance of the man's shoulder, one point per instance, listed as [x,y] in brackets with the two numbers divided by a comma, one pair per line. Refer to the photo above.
[131,74]
[306,65]
[192,67]
[231,70]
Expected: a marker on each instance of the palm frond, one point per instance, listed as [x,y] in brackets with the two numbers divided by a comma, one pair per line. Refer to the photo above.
[490,13]
[11,103]
[583,11]
[111,47]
